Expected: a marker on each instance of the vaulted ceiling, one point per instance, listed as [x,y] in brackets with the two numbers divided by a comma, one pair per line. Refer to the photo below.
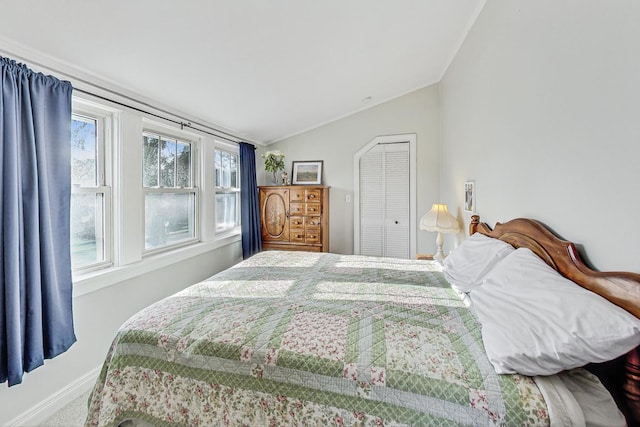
[263,69]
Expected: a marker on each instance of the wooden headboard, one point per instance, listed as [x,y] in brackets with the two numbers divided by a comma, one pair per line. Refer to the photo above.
[621,288]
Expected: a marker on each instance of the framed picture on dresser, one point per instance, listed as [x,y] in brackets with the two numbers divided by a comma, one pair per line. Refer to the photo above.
[307,172]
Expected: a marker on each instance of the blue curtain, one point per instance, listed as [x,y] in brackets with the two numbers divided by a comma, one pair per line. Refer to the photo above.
[36,321]
[250,205]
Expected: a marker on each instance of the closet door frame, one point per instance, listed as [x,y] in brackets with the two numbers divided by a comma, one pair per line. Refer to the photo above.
[409,138]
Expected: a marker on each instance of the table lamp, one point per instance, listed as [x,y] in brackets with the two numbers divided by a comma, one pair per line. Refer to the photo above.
[439,219]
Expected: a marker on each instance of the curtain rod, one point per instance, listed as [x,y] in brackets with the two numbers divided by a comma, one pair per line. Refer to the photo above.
[183,125]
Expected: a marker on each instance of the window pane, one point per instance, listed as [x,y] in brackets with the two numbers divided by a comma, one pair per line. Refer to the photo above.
[87,237]
[169,219]
[226,170]
[226,210]
[167,163]
[83,151]
[234,171]
[150,161]
[184,165]
[218,167]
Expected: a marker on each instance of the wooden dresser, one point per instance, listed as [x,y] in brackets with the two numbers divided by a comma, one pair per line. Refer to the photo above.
[295,218]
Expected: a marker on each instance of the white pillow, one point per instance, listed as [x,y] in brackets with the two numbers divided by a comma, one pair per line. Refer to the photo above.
[536,322]
[467,265]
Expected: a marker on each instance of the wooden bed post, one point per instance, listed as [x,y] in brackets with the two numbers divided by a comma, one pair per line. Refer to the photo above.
[632,383]
[473,225]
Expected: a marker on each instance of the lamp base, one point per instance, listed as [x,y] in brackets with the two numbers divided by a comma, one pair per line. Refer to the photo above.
[439,256]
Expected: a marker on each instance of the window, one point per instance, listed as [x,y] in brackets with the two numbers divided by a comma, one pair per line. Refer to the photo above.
[90,197]
[169,194]
[174,194]
[227,187]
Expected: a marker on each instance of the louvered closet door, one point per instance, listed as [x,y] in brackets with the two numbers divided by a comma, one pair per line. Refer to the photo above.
[396,173]
[372,202]
[384,201]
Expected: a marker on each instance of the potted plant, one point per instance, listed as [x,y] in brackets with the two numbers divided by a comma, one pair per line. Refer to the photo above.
[273,162]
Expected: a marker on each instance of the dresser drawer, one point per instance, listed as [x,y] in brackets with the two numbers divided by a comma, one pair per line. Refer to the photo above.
[313,195]
[313,222]
[297,235]
[297,195]
[313,209]
[313,236]
[297,222]
[297,209]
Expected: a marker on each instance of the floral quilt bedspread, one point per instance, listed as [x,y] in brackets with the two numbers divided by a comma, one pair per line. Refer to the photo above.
[301,339]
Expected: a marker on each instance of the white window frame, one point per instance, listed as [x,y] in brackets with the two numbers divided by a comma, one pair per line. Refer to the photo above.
[181,137]
[104,141]
[233,149]
[121,175]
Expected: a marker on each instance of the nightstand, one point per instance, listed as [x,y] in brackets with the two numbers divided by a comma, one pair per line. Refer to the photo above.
[427,257]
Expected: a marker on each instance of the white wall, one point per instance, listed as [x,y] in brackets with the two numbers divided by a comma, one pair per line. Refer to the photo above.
[541,107]
[337,142]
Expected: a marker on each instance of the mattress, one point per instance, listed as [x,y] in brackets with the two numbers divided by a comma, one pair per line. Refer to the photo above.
[298,338]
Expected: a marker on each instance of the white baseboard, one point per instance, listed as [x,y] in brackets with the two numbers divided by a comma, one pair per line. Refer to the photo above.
[45,409]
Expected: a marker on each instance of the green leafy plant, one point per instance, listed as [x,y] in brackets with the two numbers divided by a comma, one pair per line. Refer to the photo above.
[273,161]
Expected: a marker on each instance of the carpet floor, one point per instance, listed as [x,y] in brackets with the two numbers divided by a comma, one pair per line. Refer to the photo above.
[72,415]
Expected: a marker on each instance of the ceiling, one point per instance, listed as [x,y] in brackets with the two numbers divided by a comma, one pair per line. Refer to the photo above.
[263,69]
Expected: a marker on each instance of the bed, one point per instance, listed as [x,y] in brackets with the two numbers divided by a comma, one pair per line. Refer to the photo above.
[298,338]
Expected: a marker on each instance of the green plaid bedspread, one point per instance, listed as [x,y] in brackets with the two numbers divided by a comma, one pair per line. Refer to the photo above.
[306,339]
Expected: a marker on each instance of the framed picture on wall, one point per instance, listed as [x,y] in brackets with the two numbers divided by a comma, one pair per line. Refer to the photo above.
[307,172]
[470,196]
